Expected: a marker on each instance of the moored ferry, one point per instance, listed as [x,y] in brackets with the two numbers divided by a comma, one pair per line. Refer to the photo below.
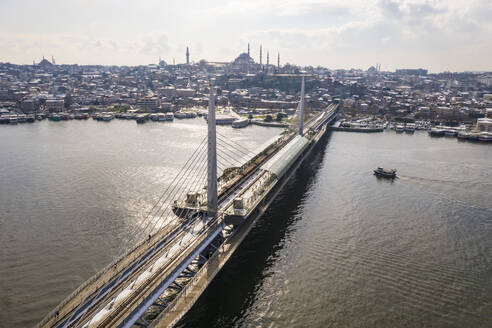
[436,132]
[240,123]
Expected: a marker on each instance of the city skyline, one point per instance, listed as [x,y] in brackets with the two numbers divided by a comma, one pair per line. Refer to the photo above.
[437,35]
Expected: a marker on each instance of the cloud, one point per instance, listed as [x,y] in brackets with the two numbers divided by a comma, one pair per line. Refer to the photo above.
[335,33]
[74,48]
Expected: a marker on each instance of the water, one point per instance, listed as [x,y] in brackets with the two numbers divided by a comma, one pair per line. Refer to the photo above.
[338,247]
[342,248]
[71,193]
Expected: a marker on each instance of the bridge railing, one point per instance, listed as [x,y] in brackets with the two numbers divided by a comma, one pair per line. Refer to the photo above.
[189,285]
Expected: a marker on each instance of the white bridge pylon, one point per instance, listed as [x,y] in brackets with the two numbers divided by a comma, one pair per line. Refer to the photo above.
[212,157]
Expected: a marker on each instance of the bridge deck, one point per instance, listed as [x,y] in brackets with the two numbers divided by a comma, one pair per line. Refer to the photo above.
[120,294]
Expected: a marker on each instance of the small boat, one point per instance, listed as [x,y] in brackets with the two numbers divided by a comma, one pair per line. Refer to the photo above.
[385,173]
[55,117]
[169,116]
[399,128]
[30,118]
[180,115]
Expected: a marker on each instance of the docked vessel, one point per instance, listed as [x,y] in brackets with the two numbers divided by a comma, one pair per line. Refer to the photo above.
[142,118]
[169,116]
[107,117]
[399,128]
[385,173]
[450,132]
[410,128]
[21,118]
[182,115]
[240,123]
[179,115]
[436,132]
[55,117]
[81,116]
[4,119]
[13,119]
[463,135]
[485,137]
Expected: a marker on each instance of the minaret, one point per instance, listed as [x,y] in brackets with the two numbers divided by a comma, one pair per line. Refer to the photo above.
[187,56]
[53,60]
[212,158]
[268,58]
[278,60]
[248,49]
[301,109]
[260,54]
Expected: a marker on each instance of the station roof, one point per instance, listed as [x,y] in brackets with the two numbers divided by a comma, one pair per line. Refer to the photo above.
[281,161]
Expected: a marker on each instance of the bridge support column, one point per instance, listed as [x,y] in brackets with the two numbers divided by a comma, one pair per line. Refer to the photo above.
[212,157]
[301,109]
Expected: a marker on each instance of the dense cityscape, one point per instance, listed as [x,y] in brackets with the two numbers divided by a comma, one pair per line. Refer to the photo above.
[256,89]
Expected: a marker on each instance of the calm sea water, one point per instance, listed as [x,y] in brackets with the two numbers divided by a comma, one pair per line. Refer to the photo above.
[338,247]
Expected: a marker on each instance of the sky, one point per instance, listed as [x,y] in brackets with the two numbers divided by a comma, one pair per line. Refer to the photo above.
[440,35]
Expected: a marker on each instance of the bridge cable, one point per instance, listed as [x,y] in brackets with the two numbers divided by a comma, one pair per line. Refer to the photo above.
[180,173]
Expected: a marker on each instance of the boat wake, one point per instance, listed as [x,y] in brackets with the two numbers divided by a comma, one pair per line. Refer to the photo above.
[429,184]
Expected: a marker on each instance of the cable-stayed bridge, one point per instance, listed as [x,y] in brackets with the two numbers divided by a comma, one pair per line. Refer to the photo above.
[191,231]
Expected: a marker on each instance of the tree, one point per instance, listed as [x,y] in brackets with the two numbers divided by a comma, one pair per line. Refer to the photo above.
[268,118]
[279,117]
[250,116]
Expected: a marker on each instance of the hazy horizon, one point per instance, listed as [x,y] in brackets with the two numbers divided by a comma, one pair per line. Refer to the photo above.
[436,35]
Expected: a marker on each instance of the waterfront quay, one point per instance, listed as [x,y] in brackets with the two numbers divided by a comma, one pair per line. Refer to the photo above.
[263,93]
[480,132]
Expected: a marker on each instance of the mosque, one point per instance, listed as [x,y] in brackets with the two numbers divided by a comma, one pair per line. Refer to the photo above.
[246,64]
[243,63]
